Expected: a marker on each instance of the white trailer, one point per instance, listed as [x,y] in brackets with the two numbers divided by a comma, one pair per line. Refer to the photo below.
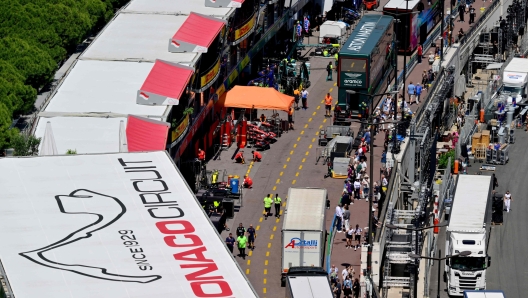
[484,294]
[304,229]
[334,29]
[515,78]
[468,230]
[308,282]
[109,225]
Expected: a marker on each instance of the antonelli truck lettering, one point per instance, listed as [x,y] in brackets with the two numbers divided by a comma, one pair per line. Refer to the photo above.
[109,225]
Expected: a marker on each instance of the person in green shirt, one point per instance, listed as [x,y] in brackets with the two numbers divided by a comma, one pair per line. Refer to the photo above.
[267,205]
[241,244]
[277,202]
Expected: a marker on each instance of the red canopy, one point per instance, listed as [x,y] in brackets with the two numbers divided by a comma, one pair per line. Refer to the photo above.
[164,84]
[144,134]
[196,34]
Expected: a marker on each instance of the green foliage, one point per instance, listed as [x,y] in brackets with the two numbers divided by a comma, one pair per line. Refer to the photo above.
[24,145]
[35,37]
[71,151]
[444,158]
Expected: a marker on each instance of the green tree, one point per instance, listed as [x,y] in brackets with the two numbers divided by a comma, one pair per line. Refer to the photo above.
[25,145]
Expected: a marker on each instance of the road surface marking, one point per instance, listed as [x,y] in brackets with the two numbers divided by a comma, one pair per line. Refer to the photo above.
[310,147]
[288,159]
[277,220]
[320,126]
[274,187]
[247,271]
[294,145]
[322,101]
[260,220]
[250,253]
[303,160]
[302,132]
[297,174]
[307,152]
[335,84]
[318,107]
[284,204]
[257,228]
[317,133]
[284,166]
[264,281]
[266,263]
[313,140]
[310,120]
[293,182]
[264,290]
[269,245]
[300,167]
[267,254]
[306,125]
[281,173]
[324,120]
[298,139]
[274,228]
[280,213]
[331,89]
[249,262]
[291,153]
[278,181]
[265,271]
[271,238]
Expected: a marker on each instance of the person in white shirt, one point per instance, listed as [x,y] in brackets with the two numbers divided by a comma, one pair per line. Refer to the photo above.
[357,233]
[344,273]
[507,200]
[339,218]
[366,187]
[357,186]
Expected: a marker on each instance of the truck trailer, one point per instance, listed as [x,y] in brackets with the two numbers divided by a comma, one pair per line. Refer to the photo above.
[484,294]
[468,230]
[304,229]
[308,282]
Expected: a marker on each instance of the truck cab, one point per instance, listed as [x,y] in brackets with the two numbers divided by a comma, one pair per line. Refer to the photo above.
[469,272]
[515,83]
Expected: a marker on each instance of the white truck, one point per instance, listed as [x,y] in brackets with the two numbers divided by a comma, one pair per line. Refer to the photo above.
[332,29]
[484,294]
[515,78]
[304,229]
[468,230]
[308,282]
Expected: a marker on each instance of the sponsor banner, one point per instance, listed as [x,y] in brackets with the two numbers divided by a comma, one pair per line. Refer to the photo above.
[353,79]
[244,31]
[210,76]
[178,133]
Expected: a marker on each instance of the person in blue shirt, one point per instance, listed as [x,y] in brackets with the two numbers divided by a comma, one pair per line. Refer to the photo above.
[307,26]
[298,31]
[367,137]
[230,242]
[419,89]
[384,159]
[411,91]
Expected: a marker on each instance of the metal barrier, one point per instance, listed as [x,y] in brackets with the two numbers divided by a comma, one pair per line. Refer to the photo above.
[330,241]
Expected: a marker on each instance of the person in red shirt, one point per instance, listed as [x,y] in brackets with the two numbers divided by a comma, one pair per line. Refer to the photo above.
[239,157]
[201,154]
[419,53]
[256,156]
[248,183]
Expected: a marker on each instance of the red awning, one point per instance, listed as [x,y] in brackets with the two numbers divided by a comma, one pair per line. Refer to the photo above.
[164,84]
[196,34]
[144,134]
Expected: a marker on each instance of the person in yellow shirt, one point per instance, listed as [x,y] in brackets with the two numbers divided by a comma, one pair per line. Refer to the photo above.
[267,205]
[277,202]
[241,244]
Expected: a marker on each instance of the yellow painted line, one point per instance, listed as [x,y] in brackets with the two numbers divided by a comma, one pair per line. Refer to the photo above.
[297,174]
[284,204]
[250,253]
[274,187]
[269,245]
[249,262]
[260,220]
[293,182]
[250,166]
[278,181]
[307,153]
[313,140]
[281,173]
[310,147]
[304,159]
[248,172]
[306,125]
[331,89]
[300,167]
[320,126]
[294,145]
[310,120]
[267,254]
[335,84]
[298,139]
[288,159]
[317,133]
[324,120]
[277,220]
[284,166]
[247,271]
[265,271]
[318,107]
[264,290]
[291,152]
[266,263]
[264,281]
[322,101]
[274,228]
[257,228]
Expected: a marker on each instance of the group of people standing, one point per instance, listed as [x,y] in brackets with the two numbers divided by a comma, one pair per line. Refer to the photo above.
[245,239]
[349,287]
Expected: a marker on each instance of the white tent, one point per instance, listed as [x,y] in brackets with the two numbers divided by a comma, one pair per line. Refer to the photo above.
[49,147]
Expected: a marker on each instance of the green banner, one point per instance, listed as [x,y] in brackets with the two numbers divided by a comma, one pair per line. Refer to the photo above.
[353,79]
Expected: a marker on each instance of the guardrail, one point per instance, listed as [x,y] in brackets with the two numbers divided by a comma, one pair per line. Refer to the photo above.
[330,241]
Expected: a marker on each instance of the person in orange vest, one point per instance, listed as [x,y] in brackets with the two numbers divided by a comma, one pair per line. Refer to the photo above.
[328,104]
[256,156]
[201,155]
[239,157]
[248,183]
[290,118]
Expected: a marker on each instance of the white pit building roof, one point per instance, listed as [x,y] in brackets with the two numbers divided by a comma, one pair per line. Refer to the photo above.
[178,7]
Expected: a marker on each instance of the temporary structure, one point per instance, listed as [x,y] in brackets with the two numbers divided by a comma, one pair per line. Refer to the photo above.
[257,98]
[123,143]
[49,147]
